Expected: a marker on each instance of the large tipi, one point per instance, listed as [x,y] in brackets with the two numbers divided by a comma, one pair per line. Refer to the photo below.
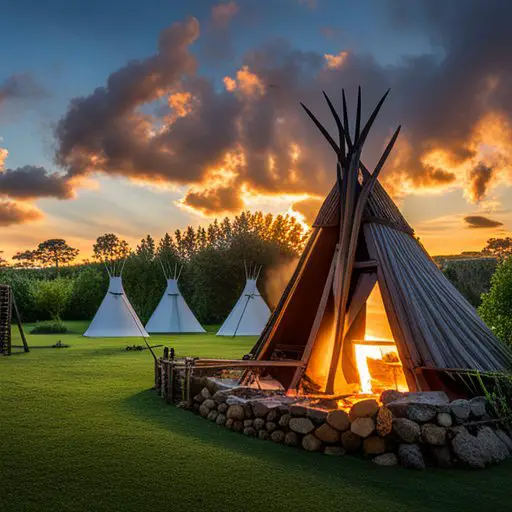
[361,241]
[115,317]
[250,313]
[172,315]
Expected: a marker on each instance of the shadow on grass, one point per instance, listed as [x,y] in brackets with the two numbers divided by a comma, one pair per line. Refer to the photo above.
[436,488]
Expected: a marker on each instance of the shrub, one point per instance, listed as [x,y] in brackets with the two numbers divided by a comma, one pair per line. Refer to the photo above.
[496,307]
[52,327]
[53,296]
[89,288]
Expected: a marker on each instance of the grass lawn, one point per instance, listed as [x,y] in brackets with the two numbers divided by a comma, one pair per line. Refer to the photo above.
[80,430]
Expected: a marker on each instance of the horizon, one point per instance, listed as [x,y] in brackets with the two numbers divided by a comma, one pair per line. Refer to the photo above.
[207,121]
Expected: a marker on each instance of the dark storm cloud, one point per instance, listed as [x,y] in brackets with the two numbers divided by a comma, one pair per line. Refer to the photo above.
[31,182]
[477,221]
[438,98]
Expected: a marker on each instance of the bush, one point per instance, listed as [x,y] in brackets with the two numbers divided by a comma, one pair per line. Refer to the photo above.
[52,327]
[53,296]
[496,307]
[89,288]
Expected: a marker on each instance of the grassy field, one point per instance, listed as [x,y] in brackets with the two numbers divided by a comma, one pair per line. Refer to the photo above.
[80,430]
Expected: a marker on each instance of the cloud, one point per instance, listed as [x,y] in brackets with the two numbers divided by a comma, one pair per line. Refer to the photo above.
[3,156]
[223,13]
[477,221]
[13,212]
[454,106]
[31,182]
[308,208]
[21,86]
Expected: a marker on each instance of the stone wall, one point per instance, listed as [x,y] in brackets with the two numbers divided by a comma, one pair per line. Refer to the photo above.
[412,429]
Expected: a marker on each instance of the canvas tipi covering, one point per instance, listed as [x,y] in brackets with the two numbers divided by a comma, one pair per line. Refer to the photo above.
[172,315]
[115,317]
[250,313]
[359,240]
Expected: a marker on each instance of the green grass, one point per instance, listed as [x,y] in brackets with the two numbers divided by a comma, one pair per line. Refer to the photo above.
[80,430]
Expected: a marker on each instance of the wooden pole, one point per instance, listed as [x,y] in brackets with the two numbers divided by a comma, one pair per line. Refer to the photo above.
[18,322]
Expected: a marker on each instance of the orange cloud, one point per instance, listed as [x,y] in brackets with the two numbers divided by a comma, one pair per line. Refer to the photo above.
[335,61]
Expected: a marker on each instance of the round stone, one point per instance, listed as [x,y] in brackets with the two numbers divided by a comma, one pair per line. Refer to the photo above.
[311,443]
[339,420]
[301,425]
[406,430]
[363,427]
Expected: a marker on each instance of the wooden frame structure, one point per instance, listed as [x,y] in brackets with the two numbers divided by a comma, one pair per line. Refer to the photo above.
[361,239]
[7,308]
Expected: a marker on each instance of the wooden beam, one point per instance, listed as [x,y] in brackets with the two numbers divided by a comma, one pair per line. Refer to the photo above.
[366,264]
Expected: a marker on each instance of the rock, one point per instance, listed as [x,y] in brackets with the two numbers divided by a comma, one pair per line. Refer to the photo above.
[505,439]
[334,450]
[250,431]
[311,443]
[374,445]
[238,425]
[263,435]
[259,409]
[441,456]
[210,403]
[221,419]
[350,441]
[363,409]
[259,423]
[222,408]
[195,407]
[410,456]
[211,386]
[478,406]
[273,415]
[339,420]
[494,449]
[390,395]
[468,450]
[291,439]
[297,410]
[460,409]
[283,409]
[363,427]
[327,434]
[407,430]
[384,421]
[205,393]
[248,411]
[433,434]
[317,416]
[386,459]
[229,423]
[301,425]
[212,416]
[422,413]
[270,426]
[392,443]
[220,397]
[437,400]
[284,420]
[277,436]
[248,423]
[235,412]
[204,411]
[444,419]
[199,398]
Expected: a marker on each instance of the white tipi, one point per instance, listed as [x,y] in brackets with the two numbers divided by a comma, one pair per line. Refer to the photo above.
[115,317]
[250,314]
[172,315]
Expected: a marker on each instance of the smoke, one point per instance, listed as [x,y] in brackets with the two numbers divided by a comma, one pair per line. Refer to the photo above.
[477,221]
[276,279]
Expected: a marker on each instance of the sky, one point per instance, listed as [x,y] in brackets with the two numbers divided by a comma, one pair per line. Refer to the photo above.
[144,117]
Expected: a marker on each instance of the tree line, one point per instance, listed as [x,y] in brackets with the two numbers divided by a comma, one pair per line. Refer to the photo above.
[211,260]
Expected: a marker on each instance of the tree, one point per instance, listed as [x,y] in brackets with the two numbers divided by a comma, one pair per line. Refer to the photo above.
[3,262]
[53,296]
[146,249]
[496,307]
[55,252]
[25,259]
[501,248]
[112,251]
